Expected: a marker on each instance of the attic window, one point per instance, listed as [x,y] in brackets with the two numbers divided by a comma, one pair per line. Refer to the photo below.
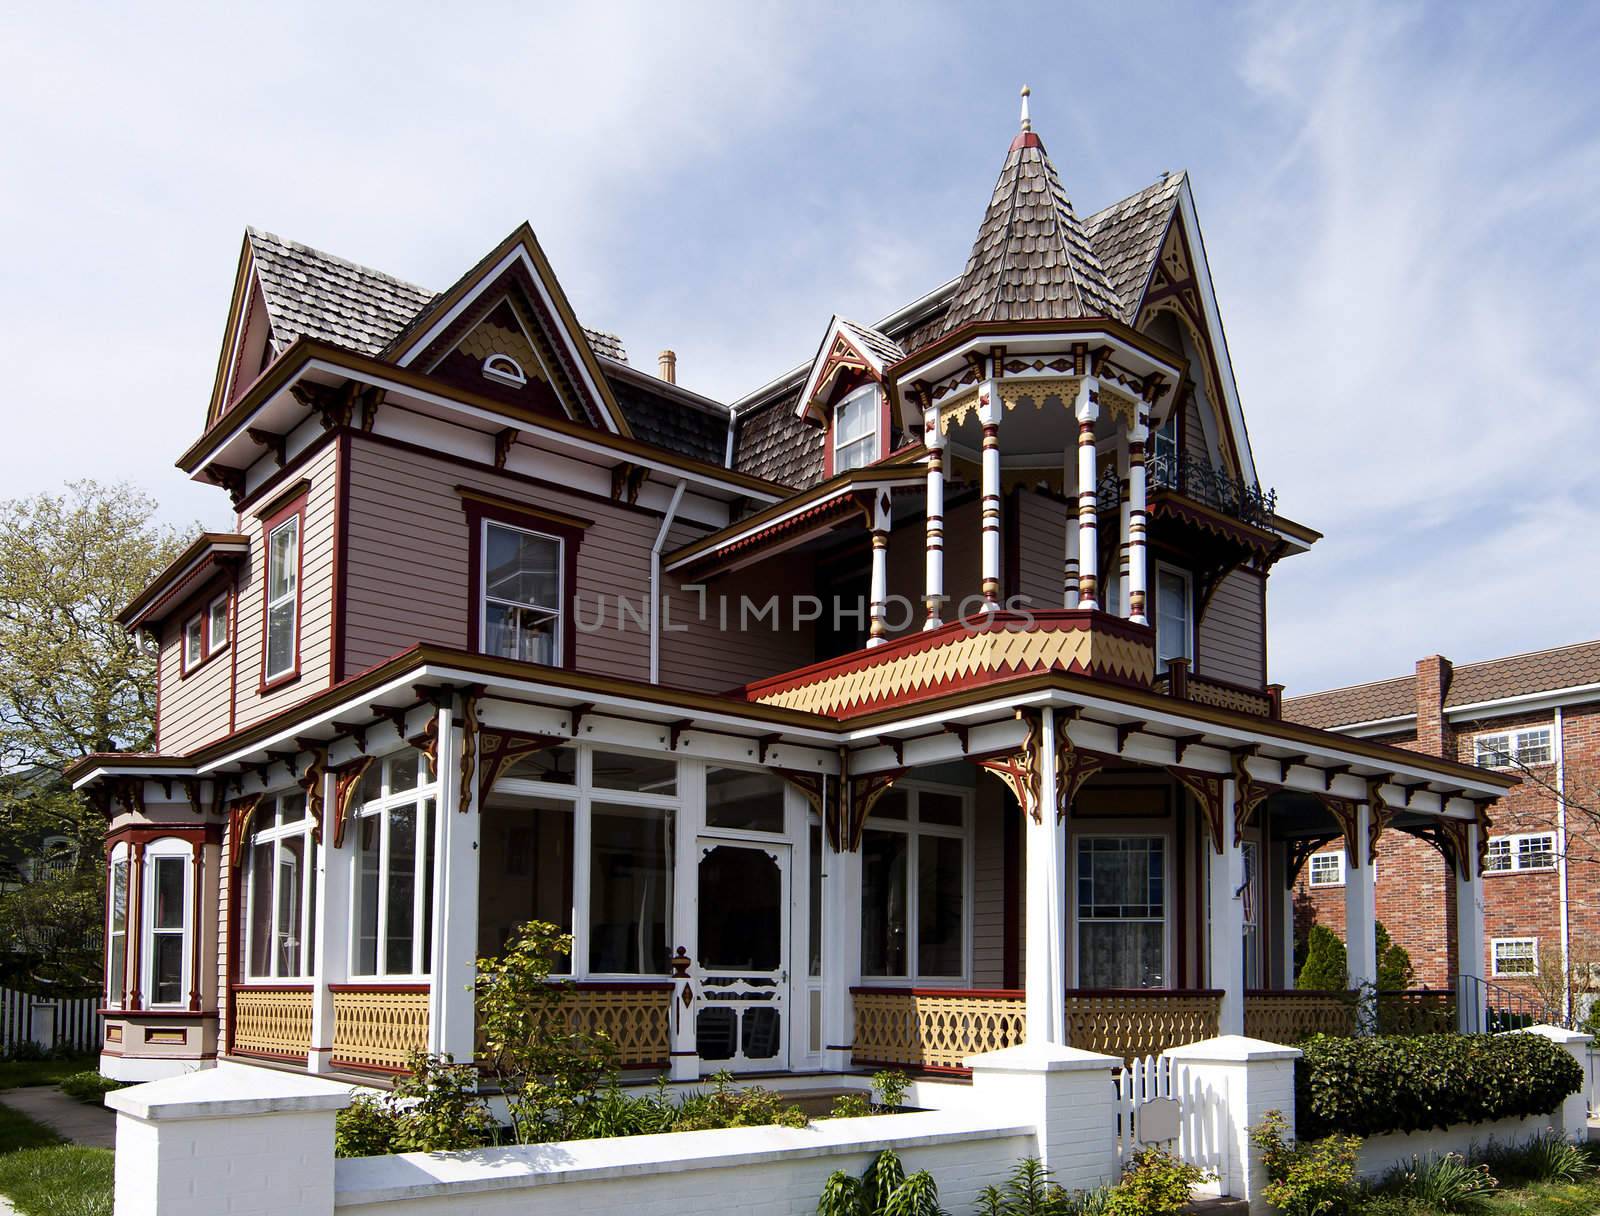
[855,429]
[505,369]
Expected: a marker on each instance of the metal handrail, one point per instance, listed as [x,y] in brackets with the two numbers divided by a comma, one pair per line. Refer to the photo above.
[1491,1007]
[1212,486]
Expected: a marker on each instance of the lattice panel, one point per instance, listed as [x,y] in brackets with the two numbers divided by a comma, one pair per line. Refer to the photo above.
[1289,1017]
[1137,1024]
[379,1027]
[922,1030]
[635,1019]
[1204,692]
[274,1021]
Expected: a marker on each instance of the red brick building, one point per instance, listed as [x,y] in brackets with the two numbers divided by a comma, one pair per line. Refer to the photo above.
[1536,715]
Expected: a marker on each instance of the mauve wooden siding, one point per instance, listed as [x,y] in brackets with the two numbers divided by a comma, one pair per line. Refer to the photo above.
[194,708]
[316,598]
[406,569]
[1041,549]
[1230,642]
[992,805]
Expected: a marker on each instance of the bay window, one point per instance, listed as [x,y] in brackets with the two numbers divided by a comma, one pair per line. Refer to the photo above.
[166,912]
[855,429]
[281,654]
[1121,911]
[117,930]
[914,867]
[393,889]
[279,890]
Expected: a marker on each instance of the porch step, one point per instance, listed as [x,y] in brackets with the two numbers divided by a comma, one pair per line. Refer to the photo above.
[1224,1206]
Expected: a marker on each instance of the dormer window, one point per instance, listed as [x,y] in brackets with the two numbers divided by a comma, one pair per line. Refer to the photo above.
[505,369]
[855,429]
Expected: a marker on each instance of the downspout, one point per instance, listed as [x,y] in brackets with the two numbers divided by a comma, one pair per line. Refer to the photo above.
[1561,867]
[655,581]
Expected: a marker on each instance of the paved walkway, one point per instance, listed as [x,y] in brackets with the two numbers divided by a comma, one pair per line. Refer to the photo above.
[77,1121]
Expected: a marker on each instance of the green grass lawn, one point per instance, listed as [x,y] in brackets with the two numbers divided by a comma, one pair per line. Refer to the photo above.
[1547,1199]
[41,1175]
[14,1074]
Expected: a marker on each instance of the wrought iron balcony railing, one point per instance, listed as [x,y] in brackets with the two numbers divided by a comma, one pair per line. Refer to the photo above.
[1199,480]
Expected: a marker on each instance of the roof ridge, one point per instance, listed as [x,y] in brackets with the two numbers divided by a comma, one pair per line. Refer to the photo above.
[301,247]
[1524,654]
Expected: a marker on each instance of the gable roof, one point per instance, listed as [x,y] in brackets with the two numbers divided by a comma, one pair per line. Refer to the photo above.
[1127,235]
[1032,259]
[847,346]
[1516,675]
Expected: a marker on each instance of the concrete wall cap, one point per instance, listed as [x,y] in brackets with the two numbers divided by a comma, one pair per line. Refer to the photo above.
[229,1091]
[1556,1034]
[1232,1049]
[1042,1057]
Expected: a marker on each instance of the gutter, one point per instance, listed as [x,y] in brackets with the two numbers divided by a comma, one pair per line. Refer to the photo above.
[655,579]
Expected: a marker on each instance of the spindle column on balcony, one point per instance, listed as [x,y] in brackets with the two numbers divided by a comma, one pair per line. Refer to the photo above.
[1087,411]
[933,597]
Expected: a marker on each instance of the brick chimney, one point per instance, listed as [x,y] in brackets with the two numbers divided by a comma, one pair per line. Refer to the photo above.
[1434,735]
[668,361]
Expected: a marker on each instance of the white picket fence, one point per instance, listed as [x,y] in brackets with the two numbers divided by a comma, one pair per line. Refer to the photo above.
[1178,1111]
[49,1023]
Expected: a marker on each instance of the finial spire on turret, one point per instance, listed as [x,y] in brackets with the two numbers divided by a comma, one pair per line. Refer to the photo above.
[1027,125]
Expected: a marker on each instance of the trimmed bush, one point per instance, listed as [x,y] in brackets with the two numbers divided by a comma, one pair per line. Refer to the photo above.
[89,1086]
[1372,1086]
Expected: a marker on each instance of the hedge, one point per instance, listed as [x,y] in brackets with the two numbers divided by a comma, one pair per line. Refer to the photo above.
[1370,1086]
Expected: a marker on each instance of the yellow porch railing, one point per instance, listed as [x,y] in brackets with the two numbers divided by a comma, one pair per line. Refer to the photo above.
[934,1029]
[272,1021]
[1132,1023]
[378,1027]
[635,1017]
[1292,1015]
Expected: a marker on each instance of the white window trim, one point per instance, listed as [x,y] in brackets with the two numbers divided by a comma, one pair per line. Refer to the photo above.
[426,843]
[275,836]
[213,646]
[581,795]
[1494,957]
[874,430]
[297,522]
[1311,870]
[505,369]
[1513,842]
[1514,745]
[208,646]
[558,613]
[1155,612]
[913,827]
[167,846]
[1133,831]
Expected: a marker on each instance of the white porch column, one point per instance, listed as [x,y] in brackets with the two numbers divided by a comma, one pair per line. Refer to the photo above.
[841,949]
[1225,895]
[933,591]
[989,410]
[1087,410]
[451,1011]
[1138,553]
[331,954]
[1361,916]
[879,607]
[685,937]
[1069,569]
[1471,966]
[1045,955]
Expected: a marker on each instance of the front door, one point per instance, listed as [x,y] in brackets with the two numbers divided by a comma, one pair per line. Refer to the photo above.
[743,969]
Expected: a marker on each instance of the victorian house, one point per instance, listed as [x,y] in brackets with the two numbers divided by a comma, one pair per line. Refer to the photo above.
[915,704]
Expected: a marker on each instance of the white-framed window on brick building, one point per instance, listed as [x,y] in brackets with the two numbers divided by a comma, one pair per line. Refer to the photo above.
[1521,851]
[1515,956]
[1529,747]
[1327,869]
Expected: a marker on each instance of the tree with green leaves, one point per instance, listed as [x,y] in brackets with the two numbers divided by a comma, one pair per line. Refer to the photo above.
[72,681]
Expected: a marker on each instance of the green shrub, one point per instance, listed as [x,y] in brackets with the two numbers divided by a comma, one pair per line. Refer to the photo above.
[1029,1192]
[1545,1158]
[1155,1184]
[890,1087]
[1325,969]
[89,1086]
[1370,1086]
[850,1106]
[1442,1184]
[883,1190]
[365,1128]
[1394,963]
[1311,1178]
[433,1109]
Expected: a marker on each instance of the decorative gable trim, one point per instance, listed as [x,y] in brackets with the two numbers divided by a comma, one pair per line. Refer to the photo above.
[842,355]
[522,249]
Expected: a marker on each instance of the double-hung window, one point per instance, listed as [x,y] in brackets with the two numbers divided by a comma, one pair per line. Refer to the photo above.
[166,902]
[117,930]
[855,429]
[914,863]
[1174,617]
[522,594]
[1522,851]
[1515,956]
[280,890]
[1504,749]
[393,922]
[281,660]
[1122,907]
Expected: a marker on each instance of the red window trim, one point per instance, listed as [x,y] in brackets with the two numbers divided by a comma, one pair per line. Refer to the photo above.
[207,653]
[567,529]
[295,507]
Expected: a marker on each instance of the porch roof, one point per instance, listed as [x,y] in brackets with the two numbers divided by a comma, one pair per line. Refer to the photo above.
[1139,725]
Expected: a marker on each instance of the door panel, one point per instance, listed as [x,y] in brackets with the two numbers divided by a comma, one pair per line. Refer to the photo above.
[743,989]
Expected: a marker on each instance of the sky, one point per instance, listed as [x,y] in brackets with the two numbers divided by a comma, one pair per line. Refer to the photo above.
[1399,205]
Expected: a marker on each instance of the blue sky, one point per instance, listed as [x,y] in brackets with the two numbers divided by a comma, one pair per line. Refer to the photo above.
[1399,205]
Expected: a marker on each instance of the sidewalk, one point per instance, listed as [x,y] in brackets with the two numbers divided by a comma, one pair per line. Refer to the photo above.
[79,1122]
